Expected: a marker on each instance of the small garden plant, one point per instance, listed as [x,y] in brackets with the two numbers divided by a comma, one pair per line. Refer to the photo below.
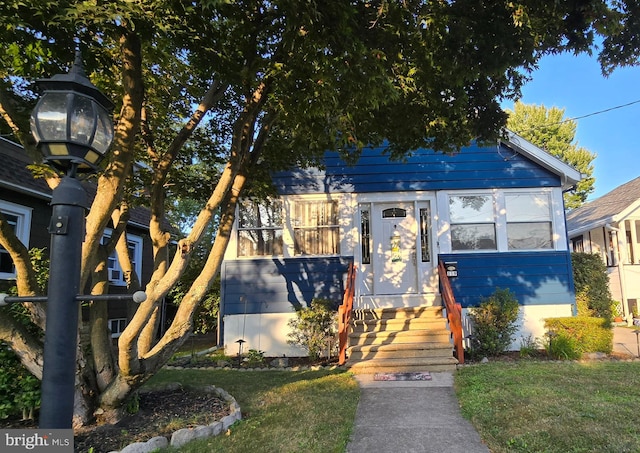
[494,324]
[254,358]
[314,328]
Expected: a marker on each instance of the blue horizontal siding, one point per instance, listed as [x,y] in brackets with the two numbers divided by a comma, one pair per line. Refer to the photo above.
[473,167]
[280,285]
[536,278]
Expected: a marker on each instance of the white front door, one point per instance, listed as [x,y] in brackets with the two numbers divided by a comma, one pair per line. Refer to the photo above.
[394,258]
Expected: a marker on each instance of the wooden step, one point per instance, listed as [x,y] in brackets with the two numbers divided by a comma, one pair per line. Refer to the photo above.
[398,313]
[400,340]
[396,351]
[377,325]
[404,365]
[403,336]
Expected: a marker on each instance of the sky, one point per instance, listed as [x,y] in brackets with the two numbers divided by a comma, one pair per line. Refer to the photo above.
[576,84]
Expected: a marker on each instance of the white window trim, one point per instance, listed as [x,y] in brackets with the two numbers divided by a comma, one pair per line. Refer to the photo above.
[23,227]
[236,234]
[118,333]
[500,218]
[137,259]
[345,214]
[294,227]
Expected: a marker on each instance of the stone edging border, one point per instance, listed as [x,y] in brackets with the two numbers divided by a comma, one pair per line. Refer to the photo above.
[184,435]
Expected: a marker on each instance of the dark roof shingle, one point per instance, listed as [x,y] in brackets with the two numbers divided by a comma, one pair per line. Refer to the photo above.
[603,209]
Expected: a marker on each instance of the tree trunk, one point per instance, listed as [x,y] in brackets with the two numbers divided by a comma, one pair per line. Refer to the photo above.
[101,348]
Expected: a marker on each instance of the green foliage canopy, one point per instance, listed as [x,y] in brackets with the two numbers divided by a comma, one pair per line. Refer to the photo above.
[338,74]
[549,130]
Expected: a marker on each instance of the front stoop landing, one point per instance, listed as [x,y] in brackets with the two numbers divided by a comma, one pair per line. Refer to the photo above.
[400,340]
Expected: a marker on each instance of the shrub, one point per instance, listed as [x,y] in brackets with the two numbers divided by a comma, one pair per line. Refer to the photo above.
[314,328]
[592,285]
[587,334]
[19,389]
[561,346]
[494,323]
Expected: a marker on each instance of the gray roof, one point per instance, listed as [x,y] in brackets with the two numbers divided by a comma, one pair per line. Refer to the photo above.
[16,177]
[605,209]
[14,174]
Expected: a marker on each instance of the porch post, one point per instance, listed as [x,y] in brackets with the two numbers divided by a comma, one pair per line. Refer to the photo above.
[633,224]
[621,245]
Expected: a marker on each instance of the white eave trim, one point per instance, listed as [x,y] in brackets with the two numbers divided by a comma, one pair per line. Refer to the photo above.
[22,189]
[569,175]
[590,226]
[622,215]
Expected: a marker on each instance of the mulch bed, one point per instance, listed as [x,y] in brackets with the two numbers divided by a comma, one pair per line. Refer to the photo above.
[160,413]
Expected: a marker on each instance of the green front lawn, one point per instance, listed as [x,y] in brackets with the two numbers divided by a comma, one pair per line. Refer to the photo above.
[522,406]
[553,407]
[283,411]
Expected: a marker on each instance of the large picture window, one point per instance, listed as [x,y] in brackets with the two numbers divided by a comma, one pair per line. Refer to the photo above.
[19,220]
[315,228]
[472,222]
[529,224]
[260,228]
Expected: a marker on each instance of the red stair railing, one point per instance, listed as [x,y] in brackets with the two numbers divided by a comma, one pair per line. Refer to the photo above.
[454,312]
[344,314]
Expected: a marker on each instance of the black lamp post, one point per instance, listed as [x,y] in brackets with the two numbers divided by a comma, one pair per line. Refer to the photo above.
[73,128]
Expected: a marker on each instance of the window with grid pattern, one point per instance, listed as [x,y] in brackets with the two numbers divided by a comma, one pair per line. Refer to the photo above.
[315,228]
[260,227]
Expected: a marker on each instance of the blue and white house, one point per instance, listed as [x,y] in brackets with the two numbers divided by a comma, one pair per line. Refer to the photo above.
[495,213]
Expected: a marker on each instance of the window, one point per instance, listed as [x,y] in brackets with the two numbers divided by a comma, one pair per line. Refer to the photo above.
[365,236]
[315,228]
[472,222]
[117,326]
[260,228]
[577,244]
[116,274]
[393,213]
[425,227]
[19,220]
[528,221]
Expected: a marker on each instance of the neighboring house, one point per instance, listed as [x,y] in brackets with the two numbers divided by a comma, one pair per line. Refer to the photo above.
[610,227]
[496,213]
[24,202]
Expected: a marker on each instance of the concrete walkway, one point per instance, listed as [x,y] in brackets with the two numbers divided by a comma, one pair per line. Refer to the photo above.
[625,342]
[424,416]
[411,417]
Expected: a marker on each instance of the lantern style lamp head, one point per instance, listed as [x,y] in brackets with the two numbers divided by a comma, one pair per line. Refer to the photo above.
[72,121]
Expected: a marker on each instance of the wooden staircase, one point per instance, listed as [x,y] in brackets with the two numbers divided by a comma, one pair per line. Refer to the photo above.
[400,340]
